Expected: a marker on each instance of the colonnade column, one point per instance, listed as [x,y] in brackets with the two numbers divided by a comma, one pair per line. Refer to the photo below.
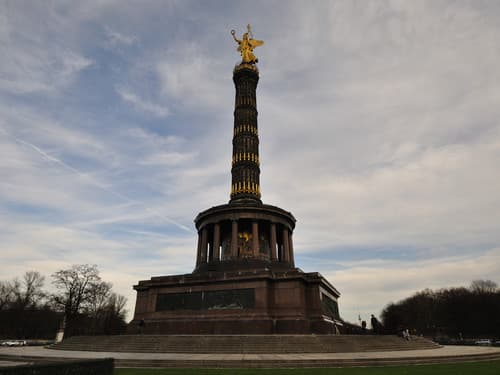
[216,248]
[234,239]
[198,254]
[282,241]
[204,244]
[255,236]
[274,255]
[286,248]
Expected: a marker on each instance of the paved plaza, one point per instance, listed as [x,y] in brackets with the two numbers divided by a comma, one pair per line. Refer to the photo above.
[29,354]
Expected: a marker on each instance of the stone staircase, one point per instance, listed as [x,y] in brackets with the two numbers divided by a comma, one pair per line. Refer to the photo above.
[253,351]
[243,344]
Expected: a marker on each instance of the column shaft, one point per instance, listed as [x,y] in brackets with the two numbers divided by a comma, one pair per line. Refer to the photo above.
[234,239]
[255,237]
[216,255]
[274,255]
[286,248]
[204,245]
[198,254]
[291,256]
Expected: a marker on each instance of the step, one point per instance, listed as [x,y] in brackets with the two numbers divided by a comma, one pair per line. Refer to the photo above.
[242,344]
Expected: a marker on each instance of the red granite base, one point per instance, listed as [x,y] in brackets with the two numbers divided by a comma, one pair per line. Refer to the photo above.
[251,302]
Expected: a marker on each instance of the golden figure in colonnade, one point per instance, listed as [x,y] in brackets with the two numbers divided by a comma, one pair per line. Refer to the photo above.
[246,46]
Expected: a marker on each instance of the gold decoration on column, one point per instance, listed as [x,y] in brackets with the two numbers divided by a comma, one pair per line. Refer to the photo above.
[246,156]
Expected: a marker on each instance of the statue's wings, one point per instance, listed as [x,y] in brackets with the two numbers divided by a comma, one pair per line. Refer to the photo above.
[255,43]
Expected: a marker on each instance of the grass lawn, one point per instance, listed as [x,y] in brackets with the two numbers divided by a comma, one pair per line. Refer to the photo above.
[474,368]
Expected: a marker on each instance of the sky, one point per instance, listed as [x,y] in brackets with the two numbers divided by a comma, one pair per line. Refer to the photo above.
[379,126]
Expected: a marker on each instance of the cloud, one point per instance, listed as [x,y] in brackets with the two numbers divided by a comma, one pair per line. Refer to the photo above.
[39,73]
[66,188]
[33,60]
[367,287]
[191,75]
[142,105]
[168,158]
[115,258]
[116,38]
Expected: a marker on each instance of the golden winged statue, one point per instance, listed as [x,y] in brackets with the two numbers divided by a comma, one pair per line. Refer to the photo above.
[246,46]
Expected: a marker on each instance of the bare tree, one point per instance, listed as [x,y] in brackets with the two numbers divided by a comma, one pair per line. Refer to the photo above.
[98,296]
[28,292]
[75,285]
[33,284]
[116,303]
[483,286]
[89,304]
[7,295]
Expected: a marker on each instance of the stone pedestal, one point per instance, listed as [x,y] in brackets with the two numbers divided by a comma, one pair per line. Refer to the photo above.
[265,300]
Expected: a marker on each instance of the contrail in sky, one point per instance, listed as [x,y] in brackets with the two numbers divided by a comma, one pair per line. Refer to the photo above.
[93,181]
